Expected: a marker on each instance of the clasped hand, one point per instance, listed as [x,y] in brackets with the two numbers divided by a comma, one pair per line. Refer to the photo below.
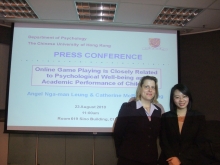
[173,161]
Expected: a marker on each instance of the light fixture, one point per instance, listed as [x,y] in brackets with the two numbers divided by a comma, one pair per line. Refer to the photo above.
[103,12]
[16,9]
[176,16]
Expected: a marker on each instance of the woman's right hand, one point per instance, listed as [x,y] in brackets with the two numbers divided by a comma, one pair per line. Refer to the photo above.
[173,161]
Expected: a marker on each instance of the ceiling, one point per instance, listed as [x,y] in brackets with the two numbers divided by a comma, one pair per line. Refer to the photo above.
[129,13]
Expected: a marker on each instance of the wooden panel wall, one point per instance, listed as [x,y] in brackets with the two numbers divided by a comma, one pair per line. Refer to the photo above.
[200,71]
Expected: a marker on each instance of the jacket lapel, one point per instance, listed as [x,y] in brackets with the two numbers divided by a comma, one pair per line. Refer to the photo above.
[187,123]
[141,111]
[175,124]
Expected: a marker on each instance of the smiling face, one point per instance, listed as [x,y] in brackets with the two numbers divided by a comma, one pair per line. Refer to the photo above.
[180,100]
[148,90]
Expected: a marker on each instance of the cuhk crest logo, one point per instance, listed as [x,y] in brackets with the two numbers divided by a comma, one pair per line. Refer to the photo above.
[154,42]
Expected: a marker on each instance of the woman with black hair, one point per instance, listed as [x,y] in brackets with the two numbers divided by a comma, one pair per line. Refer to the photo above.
[182,131]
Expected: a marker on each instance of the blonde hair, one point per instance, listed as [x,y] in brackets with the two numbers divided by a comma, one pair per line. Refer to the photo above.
[141,82]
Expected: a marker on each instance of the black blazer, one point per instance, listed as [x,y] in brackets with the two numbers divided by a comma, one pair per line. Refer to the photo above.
[185,146]
[134,135]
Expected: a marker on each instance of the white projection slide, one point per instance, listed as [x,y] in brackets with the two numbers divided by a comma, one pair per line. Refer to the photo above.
[73,78]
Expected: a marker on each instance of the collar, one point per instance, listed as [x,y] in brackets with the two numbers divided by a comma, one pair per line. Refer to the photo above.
[152,107]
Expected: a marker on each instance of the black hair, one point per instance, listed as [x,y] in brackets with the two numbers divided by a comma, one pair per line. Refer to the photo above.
[183,89]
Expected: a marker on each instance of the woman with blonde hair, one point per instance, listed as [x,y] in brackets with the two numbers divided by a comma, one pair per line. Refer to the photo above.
[137,126]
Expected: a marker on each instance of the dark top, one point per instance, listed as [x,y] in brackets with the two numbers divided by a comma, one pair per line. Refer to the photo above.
[185,146]
[134,135]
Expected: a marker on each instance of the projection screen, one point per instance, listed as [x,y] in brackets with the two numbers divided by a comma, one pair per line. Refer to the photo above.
[74,78]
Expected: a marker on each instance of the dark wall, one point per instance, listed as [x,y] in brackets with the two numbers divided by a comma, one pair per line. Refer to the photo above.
[5,39]
[5,35]
[200,71]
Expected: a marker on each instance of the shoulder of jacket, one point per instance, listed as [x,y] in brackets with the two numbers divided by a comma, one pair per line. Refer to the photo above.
[196,113]
[131,103]
[169,114]
[128,105]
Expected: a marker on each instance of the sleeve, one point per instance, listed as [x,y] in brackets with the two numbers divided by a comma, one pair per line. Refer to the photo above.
[164,143]
[201,154]
[205,145]
[120,126]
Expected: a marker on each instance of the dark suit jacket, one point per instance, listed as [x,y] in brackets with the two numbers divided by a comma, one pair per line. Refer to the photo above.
[134,135]
[184,145]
